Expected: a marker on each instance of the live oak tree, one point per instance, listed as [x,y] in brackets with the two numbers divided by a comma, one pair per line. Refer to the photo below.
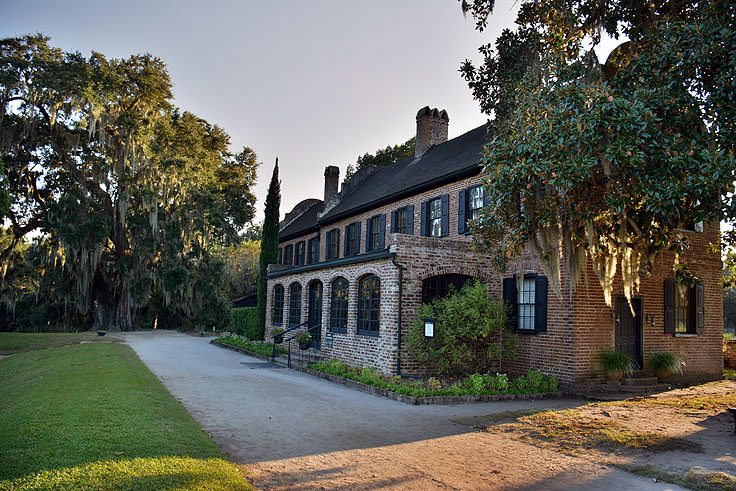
[129,193]
[606,159]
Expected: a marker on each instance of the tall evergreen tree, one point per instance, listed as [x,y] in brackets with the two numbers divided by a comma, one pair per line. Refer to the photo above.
[269,243]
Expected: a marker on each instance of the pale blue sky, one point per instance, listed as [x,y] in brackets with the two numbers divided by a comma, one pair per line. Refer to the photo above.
[314,82]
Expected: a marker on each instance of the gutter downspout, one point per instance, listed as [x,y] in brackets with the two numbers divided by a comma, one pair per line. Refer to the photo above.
[401,288]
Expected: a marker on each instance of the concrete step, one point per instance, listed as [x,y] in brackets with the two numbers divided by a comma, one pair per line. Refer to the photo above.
[640,381]
[301,357]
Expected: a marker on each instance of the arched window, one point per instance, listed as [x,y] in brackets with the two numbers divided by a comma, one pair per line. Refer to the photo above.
[295,304]
[278,305]
[339,306]
[437,287]
[369,305]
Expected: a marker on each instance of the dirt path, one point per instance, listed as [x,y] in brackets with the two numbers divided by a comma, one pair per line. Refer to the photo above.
[294,431]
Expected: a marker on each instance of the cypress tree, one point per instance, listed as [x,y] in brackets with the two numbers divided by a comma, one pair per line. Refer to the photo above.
[269,243]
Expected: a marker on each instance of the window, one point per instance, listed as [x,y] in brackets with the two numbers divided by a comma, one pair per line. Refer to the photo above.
[333,244]
[278,305]
[470,204]
[288,255]
[352,239]
[295,304]
[313,251]
[684,311]
[435,217]
[529,306]
[437,287]
[374,239]
[280,258]
[369,305]
[299,254]
[402,220]
[339,306]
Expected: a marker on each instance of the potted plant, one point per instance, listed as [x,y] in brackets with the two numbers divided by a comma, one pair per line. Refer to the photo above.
[278,335]
[303,338]
[615,364]
[664,364]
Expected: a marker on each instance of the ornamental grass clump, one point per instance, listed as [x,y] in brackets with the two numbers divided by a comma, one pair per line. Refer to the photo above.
[615,364]
[664,364]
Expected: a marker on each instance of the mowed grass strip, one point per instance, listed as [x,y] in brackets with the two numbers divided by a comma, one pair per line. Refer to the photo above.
[16,342]
[92,416]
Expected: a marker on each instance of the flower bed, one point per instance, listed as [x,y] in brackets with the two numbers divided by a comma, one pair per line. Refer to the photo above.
[477,384]
[260,347]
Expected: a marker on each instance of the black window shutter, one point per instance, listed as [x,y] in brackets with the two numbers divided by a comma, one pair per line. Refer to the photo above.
[485,197]
[699,297]
[357,237]
[509,298]
[346,246]
[382,231]
[410,220]
[445,215]
[368,234]
[461,212]
[393,222]
[281,255]
[669,306]
[423,224]
[540,304]
[316,250]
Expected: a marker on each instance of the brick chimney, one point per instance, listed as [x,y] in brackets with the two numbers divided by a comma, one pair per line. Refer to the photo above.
[431,129]
[332,176]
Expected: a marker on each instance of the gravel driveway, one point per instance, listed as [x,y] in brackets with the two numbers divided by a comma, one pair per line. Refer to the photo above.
[262,415]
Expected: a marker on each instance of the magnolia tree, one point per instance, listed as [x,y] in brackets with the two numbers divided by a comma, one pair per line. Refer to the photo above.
[606,159]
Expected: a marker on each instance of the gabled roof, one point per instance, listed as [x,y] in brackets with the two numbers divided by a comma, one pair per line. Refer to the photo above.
[303,223]
[445,162]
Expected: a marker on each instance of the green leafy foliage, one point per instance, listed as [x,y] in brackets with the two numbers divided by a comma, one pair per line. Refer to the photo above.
[387,156]
[475,384]
[244,321]
[269,244]
[611,361]
[260,347]
[130,194]
[606,160]
[664,362]
[470,332]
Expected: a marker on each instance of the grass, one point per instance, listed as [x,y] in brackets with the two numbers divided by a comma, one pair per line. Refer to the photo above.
[92,416]
[729,374]
[17,342]
[260,347]
[714,481]
[572,432]
[710,401]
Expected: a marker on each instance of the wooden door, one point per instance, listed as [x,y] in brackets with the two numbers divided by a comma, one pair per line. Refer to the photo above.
[629,328]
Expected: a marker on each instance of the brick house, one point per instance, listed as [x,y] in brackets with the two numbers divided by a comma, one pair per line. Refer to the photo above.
[360,262]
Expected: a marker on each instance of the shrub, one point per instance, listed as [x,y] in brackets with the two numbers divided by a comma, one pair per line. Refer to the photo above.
[611,361]
[729,336]
[261,347]
[663,363]
[244,321]
[470,334]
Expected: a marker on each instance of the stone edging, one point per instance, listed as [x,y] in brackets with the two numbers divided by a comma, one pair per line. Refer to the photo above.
[379,391]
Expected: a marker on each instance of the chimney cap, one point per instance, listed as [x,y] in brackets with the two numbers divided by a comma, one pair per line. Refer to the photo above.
[432,113]
[332,170]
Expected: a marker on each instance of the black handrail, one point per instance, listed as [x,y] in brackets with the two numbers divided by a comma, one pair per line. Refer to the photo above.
[273,340]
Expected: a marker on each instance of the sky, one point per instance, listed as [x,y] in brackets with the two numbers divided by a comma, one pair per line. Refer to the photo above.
[314,83]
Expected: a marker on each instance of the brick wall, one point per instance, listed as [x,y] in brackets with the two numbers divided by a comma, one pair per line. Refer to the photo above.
[729,353]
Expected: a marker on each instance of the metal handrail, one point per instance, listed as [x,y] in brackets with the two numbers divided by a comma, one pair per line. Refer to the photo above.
[273,340]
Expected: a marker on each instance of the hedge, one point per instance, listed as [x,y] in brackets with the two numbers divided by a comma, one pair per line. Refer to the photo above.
[244,321]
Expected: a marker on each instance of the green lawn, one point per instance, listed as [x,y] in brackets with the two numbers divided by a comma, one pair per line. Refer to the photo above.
[14,342]
[92,416]
[729,374]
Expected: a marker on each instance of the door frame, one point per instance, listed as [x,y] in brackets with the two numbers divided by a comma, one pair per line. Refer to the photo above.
[638,325]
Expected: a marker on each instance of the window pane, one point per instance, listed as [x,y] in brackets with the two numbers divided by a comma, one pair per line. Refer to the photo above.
[400,225]
[526,304]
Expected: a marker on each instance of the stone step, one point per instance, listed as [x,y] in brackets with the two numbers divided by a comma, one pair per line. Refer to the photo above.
[639,381]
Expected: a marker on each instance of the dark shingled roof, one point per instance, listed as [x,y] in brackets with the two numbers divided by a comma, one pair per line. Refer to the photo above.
[304,223]
[450,160]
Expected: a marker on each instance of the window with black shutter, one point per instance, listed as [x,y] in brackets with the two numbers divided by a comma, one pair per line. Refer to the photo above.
[470,204]
[299,255]
[333,244]
[436,217]
[313,251]
[684,308]
[352,239]
[288,255]
[528,307]
[375,233]
[402,220]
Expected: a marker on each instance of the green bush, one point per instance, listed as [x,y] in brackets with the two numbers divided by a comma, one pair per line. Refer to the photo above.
[729,336]
[261,347]
[611,361]
[475,384]
[470,334]
[244,321]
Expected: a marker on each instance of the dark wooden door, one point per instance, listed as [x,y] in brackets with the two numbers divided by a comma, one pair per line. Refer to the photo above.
[629,328]
[315,313]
